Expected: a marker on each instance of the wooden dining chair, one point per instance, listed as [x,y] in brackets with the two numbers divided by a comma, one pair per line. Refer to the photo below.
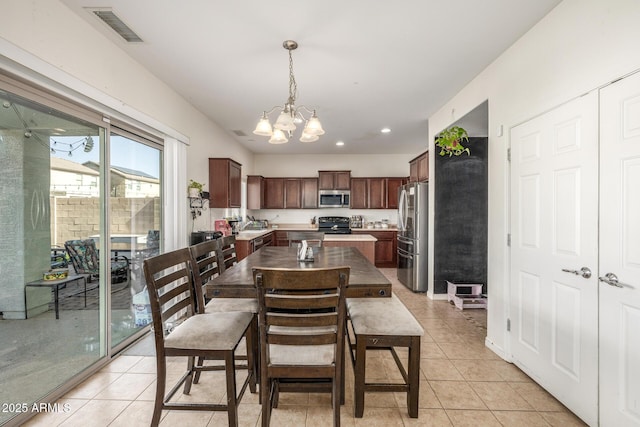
[313,238]
[301,319]
[212,336]
[227,252]
[207,265]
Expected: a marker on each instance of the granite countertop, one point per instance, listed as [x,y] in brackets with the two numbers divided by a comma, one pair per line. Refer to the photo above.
[349,238]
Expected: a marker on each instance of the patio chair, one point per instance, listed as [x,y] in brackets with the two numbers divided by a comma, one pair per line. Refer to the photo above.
[84,257]
[302,322]
[213,336]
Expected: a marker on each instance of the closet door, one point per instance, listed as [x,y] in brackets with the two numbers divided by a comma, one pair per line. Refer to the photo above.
[620,253]
[554,247]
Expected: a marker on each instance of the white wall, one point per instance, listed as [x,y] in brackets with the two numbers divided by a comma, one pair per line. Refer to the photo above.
[299,166]
[46,37]
[579,46]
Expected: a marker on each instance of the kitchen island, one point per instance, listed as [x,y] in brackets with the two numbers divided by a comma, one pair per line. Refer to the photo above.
[248,242]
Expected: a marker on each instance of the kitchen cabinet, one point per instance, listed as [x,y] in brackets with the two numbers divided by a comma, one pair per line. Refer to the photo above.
[359,198]
[255,192]
[419,168]
[273,193]
[225,178]
[385,248]
[281,193]
[292,193]
[334,180]
[375,193]
[309,193]
[245,247]
[393,185]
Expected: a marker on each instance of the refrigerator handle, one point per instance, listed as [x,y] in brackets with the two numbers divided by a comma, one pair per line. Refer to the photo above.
[402,206]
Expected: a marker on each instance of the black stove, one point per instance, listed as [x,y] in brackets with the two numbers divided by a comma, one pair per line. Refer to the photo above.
[334,225]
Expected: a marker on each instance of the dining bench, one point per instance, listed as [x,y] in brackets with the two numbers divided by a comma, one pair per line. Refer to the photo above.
[384,324]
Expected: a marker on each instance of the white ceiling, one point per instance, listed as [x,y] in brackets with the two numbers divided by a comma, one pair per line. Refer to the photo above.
[364,64]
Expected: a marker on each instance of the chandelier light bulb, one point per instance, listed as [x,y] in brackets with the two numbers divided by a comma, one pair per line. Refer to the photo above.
[314,127]
[278,137]
[263,127]
[285,121]
[305,137]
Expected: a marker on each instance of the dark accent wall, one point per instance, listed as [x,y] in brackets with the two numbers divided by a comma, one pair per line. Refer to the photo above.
[460,238]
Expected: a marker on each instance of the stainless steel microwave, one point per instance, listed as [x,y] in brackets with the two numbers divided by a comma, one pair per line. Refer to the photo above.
[333,198]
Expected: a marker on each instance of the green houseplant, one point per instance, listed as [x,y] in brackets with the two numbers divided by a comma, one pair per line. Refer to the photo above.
[194,188]
[450,141]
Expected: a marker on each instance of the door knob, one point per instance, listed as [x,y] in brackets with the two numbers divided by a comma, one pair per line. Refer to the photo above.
[584,272]
[612,280]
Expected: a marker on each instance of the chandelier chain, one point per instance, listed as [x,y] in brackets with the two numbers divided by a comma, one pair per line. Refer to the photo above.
[293,87]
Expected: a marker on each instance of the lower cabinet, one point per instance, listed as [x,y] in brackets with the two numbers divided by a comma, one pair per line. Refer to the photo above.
[386,247]
[244,248]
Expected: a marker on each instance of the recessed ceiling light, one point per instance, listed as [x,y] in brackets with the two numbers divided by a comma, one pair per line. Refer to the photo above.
[340,143]
[385,130]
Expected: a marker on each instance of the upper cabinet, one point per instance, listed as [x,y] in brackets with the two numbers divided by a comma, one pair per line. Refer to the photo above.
[225,178]
[334,180]
[375,193]
[281,193]
[419,168]
[255,192]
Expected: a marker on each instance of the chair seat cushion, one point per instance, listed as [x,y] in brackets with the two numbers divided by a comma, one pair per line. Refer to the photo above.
[249,305]
[214,331]
[382,316]
[307,355]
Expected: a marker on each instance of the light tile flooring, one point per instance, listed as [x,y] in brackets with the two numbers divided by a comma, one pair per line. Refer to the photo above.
[463,384]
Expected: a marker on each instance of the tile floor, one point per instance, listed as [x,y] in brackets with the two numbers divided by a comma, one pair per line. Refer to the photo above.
[463,384]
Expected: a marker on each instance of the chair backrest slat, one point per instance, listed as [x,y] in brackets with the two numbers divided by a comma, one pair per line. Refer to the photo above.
[206,262]
[227,252]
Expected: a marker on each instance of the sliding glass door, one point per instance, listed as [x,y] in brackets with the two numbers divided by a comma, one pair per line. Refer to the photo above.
[79,204]
[135,219]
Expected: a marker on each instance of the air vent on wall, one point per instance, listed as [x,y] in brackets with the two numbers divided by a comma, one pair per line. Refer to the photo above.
[111,19]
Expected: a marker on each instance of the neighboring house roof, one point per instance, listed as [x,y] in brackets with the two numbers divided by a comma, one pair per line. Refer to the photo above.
[71,166]
[126,173]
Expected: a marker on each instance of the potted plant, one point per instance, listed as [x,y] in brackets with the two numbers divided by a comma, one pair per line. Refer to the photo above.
[450,141]
[194,188]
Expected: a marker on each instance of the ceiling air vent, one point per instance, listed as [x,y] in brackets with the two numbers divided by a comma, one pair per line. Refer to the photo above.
[239,133]
[112,20]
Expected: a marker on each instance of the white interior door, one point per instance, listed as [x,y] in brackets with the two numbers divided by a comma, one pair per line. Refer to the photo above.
[554,231]
[620,253]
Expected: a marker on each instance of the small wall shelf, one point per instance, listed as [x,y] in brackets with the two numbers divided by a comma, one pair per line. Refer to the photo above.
[197,204]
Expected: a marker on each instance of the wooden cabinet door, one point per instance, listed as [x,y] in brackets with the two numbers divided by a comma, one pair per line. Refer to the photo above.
[423,167]
[225,180]
[325,180]
[273,193]
[377,193]
[292,193]
[342,180]
[359,193]
[386,248]
[255,192]
[393,184]
[334,180]
[413,170]
[309,193]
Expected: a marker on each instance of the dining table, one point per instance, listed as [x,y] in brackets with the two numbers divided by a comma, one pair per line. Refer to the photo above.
[365,280]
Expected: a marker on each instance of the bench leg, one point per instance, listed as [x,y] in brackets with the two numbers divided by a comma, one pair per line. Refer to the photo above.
[413,394]
[359,374]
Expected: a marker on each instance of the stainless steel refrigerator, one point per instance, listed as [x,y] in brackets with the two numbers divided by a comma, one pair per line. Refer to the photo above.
[412,235]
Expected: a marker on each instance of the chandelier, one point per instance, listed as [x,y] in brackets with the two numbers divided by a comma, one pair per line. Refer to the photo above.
[290,114]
